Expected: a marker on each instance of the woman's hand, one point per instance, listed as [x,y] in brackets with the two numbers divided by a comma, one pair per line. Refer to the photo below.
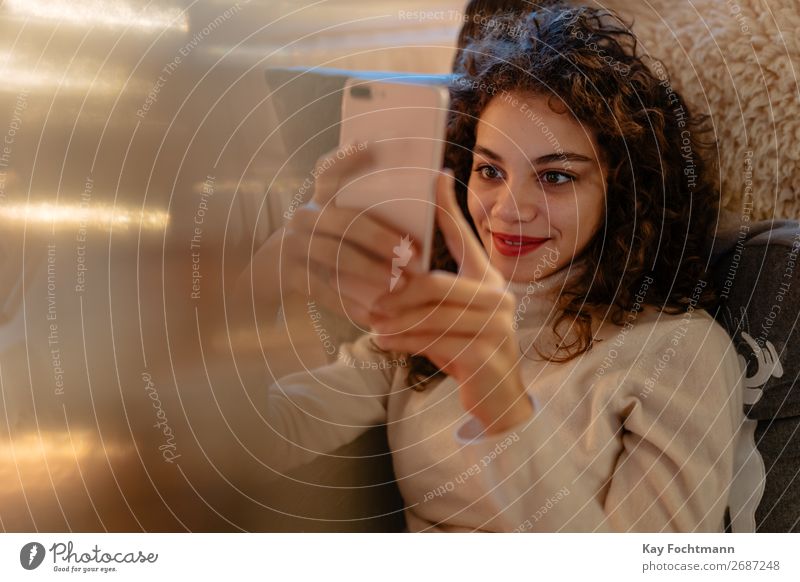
[340,257]
[462,323]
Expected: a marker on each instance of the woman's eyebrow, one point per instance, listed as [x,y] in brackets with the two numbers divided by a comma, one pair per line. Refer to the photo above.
[545,159]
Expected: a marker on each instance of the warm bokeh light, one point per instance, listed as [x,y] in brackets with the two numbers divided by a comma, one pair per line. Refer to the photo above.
[113,13]
[107,217]
[17,74]
[53,452]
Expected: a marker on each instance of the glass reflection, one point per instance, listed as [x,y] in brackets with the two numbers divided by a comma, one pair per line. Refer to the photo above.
[105,217]
[111,13]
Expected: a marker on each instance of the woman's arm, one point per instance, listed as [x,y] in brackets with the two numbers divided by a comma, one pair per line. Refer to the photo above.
[312,413]
[673,472]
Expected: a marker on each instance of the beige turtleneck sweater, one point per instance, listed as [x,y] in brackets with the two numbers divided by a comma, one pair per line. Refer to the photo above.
[637,434]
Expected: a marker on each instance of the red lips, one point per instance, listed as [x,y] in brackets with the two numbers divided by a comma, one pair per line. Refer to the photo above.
[514,245]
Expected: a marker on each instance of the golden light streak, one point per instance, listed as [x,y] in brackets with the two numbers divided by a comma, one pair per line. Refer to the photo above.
[60,450]
[74,215]
[111,13]
[19,74]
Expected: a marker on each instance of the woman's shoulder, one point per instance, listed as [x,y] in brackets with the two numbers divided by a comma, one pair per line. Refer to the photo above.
[652,331]
[694,325]
[671,350]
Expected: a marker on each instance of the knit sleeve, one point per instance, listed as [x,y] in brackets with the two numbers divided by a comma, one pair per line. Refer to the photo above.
[314,412]
[679,411]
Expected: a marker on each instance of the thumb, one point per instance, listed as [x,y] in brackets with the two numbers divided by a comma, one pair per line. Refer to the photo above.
[461,241]
[333,168]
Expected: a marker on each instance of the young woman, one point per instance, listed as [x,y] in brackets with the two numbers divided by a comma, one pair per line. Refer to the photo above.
[557,372]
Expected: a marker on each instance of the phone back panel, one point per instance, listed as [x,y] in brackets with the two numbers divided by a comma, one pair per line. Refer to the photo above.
[404,125]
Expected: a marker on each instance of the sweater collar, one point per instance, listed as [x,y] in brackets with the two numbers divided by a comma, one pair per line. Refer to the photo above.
[536,300]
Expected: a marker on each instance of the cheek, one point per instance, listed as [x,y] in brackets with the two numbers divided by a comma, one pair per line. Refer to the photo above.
[598,211]
[574,221]
[478,206]
[591,216]
[562,214]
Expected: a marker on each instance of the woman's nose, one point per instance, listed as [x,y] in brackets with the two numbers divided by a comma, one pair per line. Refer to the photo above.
[516,204]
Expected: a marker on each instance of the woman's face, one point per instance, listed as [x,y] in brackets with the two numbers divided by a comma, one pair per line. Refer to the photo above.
[537,186]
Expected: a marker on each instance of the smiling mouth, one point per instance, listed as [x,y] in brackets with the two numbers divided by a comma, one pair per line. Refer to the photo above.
[514,245]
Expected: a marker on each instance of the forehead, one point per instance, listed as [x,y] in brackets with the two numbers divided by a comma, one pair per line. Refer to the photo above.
[525,124]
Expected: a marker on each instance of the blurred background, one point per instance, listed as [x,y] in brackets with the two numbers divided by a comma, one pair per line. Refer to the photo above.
[139,168]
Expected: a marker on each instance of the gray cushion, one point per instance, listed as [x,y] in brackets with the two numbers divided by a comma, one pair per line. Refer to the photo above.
[756,270]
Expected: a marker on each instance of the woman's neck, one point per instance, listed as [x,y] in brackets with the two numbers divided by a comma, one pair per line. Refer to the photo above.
[536,299]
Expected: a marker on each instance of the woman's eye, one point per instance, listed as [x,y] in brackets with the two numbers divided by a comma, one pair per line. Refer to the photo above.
[556,178]
[488,172]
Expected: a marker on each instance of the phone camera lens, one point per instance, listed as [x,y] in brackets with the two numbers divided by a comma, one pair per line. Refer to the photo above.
[361,92]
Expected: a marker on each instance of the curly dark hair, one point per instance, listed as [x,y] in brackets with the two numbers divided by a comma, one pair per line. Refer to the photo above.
[662,203]
[479,15]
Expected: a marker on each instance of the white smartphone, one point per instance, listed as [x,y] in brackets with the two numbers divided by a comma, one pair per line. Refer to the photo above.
[404,125]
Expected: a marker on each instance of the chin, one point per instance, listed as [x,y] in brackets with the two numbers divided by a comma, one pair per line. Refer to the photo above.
[524,268]
[520,270]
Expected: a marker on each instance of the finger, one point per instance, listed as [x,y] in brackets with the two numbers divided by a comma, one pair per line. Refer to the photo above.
[429,345]
[358,290]
[447,353]
[464,246]
[344,307]
[356,314]
[444,320]
[439,287]
[338,256]
[317,286]
[333,167]
[354,226]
